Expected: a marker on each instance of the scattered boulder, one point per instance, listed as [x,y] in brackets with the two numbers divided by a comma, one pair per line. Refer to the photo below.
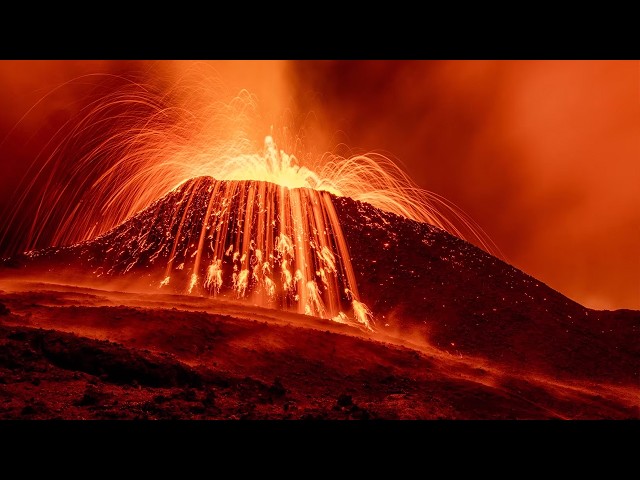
[28,410]
[93,396]
[277,389]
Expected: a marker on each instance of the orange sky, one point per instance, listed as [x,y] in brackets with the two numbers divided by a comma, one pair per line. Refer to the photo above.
[544,155]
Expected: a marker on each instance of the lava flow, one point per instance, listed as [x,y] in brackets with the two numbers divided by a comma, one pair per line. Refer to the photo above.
[161,265]
[257,227]
[278,247]
[265,231]
[260,227]
[267,242]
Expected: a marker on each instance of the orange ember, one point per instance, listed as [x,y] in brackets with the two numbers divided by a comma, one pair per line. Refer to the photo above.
[543,155]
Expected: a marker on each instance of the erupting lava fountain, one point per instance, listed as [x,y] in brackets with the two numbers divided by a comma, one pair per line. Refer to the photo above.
[209,220]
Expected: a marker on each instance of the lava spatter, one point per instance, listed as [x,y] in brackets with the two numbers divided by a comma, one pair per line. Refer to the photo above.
[278,247]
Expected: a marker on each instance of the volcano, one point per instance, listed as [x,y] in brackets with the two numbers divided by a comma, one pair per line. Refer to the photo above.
[401,315]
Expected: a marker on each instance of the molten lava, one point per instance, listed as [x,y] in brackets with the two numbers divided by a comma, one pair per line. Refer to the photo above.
[275,246]
[258,227]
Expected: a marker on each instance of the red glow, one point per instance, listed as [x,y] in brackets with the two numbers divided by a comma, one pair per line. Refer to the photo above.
[543,155]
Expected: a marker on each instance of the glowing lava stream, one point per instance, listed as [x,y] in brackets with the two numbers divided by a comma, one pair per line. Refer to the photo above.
[277,246]
[270,233]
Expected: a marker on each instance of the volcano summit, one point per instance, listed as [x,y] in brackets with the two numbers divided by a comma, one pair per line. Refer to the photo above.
[298,253]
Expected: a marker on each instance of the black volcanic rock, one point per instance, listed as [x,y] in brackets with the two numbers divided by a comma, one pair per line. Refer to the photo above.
[234,225]
[418,278]
[419,281]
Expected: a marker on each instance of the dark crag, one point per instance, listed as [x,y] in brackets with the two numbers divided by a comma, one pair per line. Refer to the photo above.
[419,281]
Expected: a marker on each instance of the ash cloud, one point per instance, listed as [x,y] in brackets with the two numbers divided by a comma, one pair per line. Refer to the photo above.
[542,154]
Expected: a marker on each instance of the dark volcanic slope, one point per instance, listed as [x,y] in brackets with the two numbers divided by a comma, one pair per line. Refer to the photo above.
[416,278]
[133,362]
[467,301]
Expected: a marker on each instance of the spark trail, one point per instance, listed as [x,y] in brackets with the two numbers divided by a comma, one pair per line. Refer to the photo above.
[249,240]
[266,231]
